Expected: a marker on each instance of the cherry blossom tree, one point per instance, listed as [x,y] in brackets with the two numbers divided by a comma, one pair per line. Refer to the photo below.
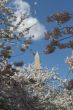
[61,32]
[21,86]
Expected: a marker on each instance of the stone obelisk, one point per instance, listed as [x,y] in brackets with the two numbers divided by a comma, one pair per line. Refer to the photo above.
[37,63]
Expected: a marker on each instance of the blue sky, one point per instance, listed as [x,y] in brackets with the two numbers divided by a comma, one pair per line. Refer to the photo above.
[44,8]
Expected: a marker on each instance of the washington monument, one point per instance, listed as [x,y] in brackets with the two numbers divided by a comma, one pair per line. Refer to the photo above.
[37,62]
